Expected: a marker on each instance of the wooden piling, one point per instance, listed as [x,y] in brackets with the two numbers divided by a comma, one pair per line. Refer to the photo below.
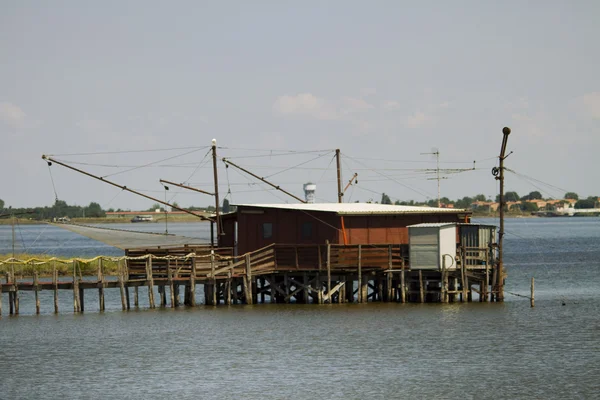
[120,274]
[248,280]
[10,296]
[1,290]
[402,284]
[213,287]
[421,289]
[532,298]
[328,271]
[36,288]
[359,296]
[150,281]
[171,286]
[55,286]
[81,298]
[193,283]
[75,289]
[136,300]
[100,285]
[15,289]
[465,280]
[286,285]
[228,299]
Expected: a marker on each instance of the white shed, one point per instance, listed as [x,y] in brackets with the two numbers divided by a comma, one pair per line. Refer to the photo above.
[432,245]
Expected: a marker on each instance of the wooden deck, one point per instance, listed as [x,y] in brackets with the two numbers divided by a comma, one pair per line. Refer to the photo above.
[278,273]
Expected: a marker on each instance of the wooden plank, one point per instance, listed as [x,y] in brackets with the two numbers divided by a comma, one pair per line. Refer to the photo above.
[327,296]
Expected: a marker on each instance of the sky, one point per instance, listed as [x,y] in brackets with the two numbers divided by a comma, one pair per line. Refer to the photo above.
[135,91]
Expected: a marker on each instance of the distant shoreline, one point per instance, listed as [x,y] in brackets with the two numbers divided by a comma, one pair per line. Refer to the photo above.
[192,219]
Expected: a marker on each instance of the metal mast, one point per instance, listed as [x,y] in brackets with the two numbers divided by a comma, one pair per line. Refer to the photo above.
[500,176]
[339,176]
[216,177]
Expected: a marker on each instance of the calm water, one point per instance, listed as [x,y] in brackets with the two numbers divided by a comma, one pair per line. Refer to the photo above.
[333,351]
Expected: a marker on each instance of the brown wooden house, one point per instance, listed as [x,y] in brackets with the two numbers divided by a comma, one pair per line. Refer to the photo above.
[253,226]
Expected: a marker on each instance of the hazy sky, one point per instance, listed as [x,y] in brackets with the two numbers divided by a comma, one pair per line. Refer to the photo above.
[384,81]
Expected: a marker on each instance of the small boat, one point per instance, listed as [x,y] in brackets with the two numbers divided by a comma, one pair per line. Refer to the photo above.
[142,218]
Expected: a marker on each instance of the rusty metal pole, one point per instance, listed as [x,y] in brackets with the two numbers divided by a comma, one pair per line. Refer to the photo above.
[339,175]
[216,177]
[500,277]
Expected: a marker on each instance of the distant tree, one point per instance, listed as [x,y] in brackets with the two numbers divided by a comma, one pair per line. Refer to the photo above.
[174,204]
[532,196]
[94,210]
[590,202]
[110,210]
[1,204]
[509,196]
[226,207]
[529,207]
[445,200]
[479,197]
[571,195]
[385,199]
[465,202]
[154,207]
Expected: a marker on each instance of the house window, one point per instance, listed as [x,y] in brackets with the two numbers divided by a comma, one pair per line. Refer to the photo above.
[267,230]
[307,230]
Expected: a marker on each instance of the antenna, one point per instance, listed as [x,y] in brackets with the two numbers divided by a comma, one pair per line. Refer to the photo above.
[435,152]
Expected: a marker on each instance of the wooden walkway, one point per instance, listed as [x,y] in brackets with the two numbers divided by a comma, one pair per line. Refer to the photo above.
[278,273]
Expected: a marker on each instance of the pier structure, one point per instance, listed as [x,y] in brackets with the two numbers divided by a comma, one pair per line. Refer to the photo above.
[317,274]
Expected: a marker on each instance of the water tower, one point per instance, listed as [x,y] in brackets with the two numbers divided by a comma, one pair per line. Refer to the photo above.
[309,192]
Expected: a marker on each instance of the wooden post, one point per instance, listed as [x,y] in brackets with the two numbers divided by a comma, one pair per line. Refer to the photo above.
[1,290]
[364,289]
[100,285]
[306,292]
[319,257]
[81,298]
[286,284]
[150,281]
[193,283]
[421,291]
[319,287]
[75,290]
[388,291]
[328,271]
[120,274]
[171,286]
[55,286]
[532,298]
[16,290]
[359,294]
[10,296]
[213,288]
[248,280]
[229,288]
[136,299]
[36,287]
[235,291]
[465,280]
[402,284]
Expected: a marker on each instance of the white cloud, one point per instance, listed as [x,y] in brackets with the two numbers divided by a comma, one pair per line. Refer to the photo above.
[352,105]
[416,120]
[591,104]
[391,105]
[305,104]
[12,114]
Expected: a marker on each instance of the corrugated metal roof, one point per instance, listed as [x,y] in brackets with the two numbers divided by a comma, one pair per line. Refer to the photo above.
[359,208]
[432,225]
